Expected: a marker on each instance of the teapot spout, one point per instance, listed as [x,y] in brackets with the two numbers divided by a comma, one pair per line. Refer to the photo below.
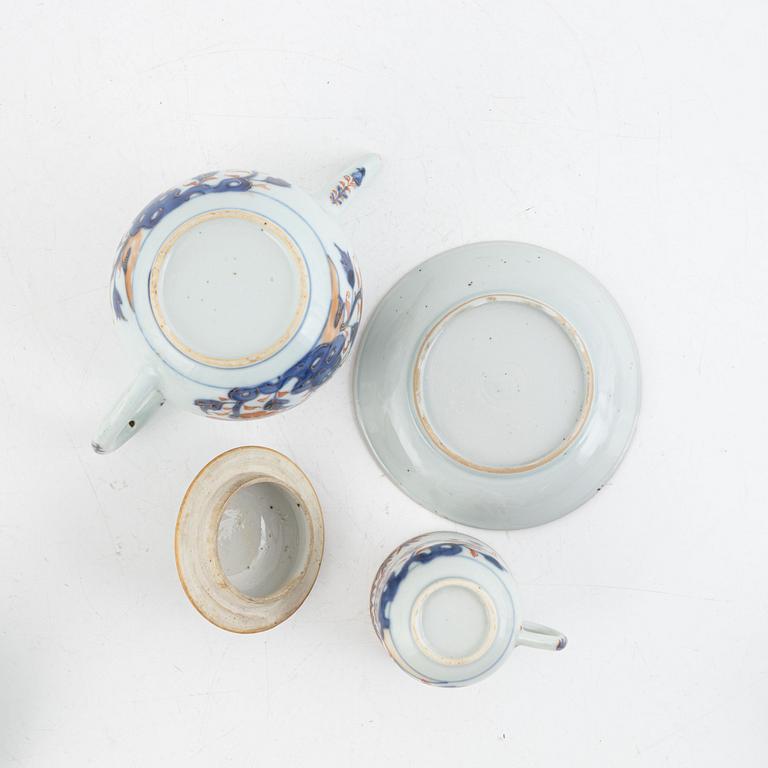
[129,414]
[349,181]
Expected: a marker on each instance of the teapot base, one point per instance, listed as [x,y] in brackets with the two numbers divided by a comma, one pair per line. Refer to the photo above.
[229,288]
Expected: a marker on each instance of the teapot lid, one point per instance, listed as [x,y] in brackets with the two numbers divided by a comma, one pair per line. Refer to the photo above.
[249,539]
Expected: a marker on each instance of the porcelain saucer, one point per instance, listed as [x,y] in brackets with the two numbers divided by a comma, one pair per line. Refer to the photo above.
[498,384]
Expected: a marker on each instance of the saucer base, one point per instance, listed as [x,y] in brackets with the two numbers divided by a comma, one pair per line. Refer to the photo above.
[502,384]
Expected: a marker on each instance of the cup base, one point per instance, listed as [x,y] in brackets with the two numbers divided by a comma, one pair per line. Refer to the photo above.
[454,621]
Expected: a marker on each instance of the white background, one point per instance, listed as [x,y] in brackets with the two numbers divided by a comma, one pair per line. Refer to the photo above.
[632,137]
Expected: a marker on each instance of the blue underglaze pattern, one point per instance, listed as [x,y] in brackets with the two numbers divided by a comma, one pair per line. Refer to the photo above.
[421,557]
[162,205]
[347,183]
[492,560]
[156,210]
[394,581]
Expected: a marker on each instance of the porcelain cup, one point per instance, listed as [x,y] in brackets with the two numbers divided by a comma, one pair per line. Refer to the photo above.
[446,609]
[236,294]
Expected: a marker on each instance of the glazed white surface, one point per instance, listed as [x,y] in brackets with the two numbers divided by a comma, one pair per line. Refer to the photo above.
[631,139]
[502,384]
[385,387]
[261,541]
[228,289]
[454,621]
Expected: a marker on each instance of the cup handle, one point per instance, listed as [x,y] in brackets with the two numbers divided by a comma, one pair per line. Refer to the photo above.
[129,413]
[349,180]
[539,636]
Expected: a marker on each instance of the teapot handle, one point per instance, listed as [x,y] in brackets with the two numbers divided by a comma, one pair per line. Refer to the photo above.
[349,180]
[539,636]
[129,413]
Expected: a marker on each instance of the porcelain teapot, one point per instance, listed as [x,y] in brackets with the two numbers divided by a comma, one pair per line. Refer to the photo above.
[237,294]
